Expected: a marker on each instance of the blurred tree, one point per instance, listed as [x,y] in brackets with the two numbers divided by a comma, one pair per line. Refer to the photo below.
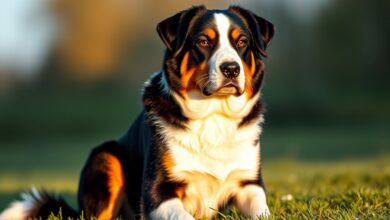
[334,68]
[95,35]
[352,42]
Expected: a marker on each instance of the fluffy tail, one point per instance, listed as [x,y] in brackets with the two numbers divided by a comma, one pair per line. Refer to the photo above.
[36,204]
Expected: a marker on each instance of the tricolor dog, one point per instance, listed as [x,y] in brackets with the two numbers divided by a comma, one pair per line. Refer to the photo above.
[194,149]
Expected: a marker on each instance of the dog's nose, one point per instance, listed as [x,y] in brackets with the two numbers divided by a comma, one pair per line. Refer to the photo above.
[230,69]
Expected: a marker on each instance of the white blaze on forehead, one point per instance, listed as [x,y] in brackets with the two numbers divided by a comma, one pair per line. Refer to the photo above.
[223,24]
[224,52]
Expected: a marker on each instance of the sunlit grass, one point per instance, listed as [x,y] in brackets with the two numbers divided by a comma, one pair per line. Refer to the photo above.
[56,182]
[357,189]
[350,190]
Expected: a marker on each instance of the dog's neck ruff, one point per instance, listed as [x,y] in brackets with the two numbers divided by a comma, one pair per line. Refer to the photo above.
[195,107]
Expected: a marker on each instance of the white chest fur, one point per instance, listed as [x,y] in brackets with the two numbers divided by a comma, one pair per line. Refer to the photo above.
[212,156]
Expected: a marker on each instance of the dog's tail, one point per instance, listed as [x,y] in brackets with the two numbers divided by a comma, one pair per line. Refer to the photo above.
[40,205]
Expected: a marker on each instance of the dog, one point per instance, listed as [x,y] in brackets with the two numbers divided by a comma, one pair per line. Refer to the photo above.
[195,147]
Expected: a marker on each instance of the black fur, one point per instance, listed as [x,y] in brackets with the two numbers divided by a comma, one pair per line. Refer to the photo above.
[254,114]
[46,205]
[157,102]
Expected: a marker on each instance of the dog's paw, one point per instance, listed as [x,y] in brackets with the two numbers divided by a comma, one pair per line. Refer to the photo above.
[171,210]
[181,216]
[261,212]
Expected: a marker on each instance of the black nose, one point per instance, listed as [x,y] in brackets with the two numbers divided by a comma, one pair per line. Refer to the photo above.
[230,69]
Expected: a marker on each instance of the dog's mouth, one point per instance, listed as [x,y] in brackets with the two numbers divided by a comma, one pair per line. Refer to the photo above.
[227,89]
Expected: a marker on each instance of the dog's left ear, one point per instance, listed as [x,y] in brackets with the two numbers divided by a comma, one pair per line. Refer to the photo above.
[262,30]
[173,31]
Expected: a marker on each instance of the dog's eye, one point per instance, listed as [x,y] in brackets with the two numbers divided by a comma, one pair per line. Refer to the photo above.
[203,43]
[242,42]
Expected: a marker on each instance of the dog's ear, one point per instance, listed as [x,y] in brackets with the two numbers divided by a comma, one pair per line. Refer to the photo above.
[261,30]
[173,31]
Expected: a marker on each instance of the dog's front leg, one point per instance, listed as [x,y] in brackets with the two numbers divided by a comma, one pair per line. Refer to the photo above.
[171,209]
[251,201]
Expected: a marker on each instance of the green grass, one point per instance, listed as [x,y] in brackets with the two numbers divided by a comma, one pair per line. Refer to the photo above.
[356,189]
[347,190]
[336,190]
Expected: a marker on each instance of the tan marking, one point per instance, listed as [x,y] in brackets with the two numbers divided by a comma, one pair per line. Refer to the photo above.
[202,66]
[253,64]
[115,186]
[210,33]
[249,71]
[184,63]
[186,73]
[180,192]
[190,77]
[235,33]
[168,161]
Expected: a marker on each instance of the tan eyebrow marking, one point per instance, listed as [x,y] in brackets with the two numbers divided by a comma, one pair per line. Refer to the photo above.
[210,33]
[235,33]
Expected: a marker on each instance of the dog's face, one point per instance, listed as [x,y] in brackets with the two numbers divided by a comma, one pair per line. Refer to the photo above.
[215,53]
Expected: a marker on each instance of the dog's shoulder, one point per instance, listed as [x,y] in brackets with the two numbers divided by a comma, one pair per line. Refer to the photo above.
[159,104]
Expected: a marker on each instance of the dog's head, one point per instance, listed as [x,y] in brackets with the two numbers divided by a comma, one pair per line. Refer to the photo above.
[215,53]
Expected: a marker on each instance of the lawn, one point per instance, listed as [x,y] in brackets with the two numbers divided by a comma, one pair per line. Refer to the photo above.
[354,189]
[348,189]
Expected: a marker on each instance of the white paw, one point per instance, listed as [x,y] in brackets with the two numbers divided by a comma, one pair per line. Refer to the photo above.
[261,212]
[183,215]
[171,210]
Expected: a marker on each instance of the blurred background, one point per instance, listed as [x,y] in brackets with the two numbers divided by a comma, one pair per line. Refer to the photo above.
[71,74]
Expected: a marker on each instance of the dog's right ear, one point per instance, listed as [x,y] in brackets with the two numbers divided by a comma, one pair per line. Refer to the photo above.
[173,31]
